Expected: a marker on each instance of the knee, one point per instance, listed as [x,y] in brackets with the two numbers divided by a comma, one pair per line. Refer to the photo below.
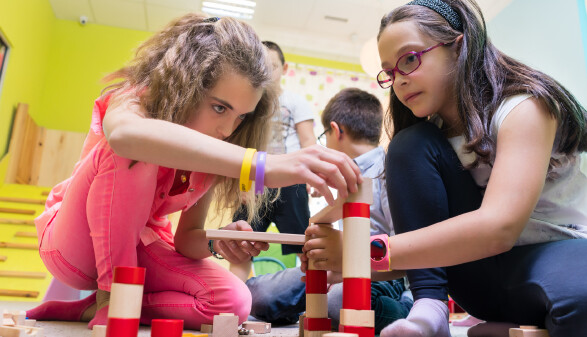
[414,139]
[238,300]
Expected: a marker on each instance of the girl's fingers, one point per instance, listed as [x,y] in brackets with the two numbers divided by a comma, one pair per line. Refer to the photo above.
[226,252]
[317,254]
[249,248]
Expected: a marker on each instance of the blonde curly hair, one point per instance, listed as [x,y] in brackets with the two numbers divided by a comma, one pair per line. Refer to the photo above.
[173,71]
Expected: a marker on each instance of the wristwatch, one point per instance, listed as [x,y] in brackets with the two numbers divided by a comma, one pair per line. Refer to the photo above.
[380,252]
[212,251]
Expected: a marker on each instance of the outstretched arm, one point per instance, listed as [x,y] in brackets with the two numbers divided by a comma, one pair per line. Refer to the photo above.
[524,147]
[132,135]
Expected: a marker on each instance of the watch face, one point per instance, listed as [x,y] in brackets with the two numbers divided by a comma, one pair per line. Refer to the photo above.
[378,250]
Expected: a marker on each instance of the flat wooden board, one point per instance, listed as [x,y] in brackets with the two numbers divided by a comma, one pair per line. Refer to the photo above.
[290,239]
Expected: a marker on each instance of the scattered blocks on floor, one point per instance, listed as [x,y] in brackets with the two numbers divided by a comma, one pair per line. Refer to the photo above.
[257,327]
[225,325]
[206,328]
[166,327]
[99,331]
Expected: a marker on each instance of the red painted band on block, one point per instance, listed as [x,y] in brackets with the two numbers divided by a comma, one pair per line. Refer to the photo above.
[362,331]
[355,210]
[356,293]
[316,282]
[317,324]
[166,327]
[122,327]
[129,275]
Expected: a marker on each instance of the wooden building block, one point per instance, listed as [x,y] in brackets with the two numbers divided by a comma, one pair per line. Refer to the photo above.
[3,258]
[187,334]
[206,328]
[330,214]
[528,331]
[30,322]
[316,305]
[340,334]
[225,326]
[290,239]
[257,327]
[356,255]
[315,333]
[350,317]
[301,325]
[99,331]
[7,321]
[20,331]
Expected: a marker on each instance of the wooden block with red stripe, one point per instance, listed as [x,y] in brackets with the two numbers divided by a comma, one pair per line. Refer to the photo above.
[351,317]
[353,286]
[317,324]
[126,297]
[362,331]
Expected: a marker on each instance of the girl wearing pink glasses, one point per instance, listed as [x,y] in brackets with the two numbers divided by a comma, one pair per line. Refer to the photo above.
[486,176]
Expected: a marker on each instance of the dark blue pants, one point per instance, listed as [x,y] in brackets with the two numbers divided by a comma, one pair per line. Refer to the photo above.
[542,284]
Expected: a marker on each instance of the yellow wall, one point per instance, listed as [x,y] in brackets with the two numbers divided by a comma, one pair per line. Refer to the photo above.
[28,27]
[80,57]
[56,66]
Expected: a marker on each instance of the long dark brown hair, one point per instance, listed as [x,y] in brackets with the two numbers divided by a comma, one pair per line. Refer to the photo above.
[173,71]
[484,77]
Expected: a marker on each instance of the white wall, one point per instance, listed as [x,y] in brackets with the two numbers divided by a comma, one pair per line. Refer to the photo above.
[546,35]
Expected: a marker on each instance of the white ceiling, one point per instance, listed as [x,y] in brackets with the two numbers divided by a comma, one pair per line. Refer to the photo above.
[298,26]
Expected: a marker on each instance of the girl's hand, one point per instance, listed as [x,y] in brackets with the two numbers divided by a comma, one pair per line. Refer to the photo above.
[237,252]
[324,247]
[316,166]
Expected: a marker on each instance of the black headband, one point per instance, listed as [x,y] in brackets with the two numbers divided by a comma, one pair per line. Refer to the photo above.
[443,9]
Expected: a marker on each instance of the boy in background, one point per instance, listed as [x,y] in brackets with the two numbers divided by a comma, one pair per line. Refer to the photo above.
[352,123]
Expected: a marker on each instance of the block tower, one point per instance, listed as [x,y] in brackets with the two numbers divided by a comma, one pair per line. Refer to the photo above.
[126,298]
[316,322]
[356,315]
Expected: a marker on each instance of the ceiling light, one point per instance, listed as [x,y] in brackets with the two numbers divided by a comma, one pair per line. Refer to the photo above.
[240,2]
[241,9]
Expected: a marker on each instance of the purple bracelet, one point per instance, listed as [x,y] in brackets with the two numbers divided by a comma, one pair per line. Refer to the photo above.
[260,172]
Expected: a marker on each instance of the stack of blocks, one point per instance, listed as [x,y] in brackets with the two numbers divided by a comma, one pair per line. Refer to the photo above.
[124,311]
[356,315]
[316,323]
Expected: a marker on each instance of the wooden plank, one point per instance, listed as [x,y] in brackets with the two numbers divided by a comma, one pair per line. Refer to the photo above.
[23,274]
[19,293]
[290,239]
[18,245]
[26,235]
[61,150]
[23,200]
[17,136]
[45,193]
[17,221]
[17,211]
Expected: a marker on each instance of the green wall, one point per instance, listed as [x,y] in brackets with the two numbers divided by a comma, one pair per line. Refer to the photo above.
[28,27]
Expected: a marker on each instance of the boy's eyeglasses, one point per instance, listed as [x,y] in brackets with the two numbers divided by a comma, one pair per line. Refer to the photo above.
[322,137]
[406,64]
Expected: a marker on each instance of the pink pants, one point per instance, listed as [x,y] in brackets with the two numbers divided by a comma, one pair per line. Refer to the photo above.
[98,226]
